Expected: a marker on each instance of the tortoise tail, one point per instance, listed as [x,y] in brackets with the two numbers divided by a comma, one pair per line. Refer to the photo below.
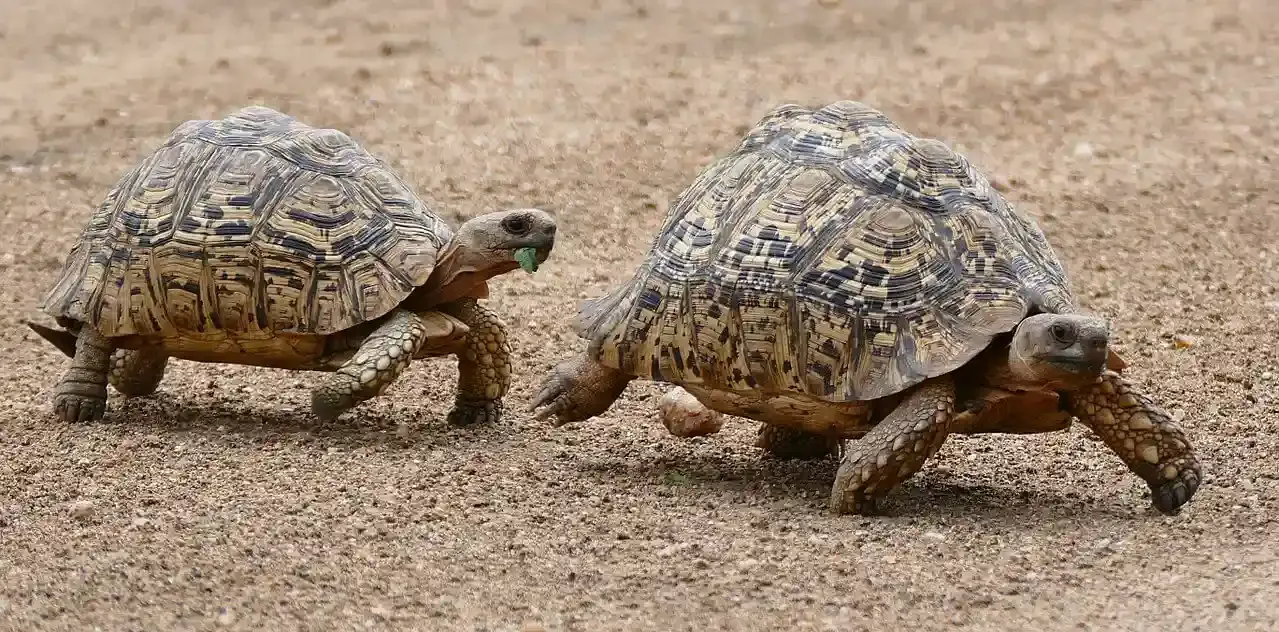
[61,338]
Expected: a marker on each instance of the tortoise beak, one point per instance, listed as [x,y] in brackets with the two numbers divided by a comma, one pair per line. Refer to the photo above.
[542,243]
[543,240]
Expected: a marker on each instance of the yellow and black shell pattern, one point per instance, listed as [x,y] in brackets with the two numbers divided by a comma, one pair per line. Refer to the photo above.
[252,224]
[832,255]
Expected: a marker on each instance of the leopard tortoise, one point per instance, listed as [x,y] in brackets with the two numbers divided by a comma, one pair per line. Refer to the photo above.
[837,278]
[260,240]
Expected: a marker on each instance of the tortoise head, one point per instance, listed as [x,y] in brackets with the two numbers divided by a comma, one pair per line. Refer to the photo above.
[1059,350]
[484,247]
[496,243]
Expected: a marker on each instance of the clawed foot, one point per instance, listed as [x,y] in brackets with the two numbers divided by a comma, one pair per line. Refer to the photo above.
[77,408]
[856,504]
[552,396]
[1170,494]
[468,412]
[328,404]
[578,389]
[853,491]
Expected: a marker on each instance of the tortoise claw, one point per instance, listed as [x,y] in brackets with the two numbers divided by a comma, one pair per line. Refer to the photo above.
[1169,496]
[77,408]
[470,412]
[576,390]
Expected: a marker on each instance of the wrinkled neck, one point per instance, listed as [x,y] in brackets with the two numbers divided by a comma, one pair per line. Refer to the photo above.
[1020,365]
[1006,367]
[458,272]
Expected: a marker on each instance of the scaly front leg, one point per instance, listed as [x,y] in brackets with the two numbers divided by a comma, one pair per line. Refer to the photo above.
[1143,436]
[895,449]
[483,365]
[578,389]
[380,359]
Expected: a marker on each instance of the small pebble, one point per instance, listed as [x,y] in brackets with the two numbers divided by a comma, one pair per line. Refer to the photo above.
[82,510]
[1106,544]
[1182,341]
[673,549]
[226,618]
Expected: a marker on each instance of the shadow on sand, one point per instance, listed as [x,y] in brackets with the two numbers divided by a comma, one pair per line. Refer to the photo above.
[716,476]
[369,425]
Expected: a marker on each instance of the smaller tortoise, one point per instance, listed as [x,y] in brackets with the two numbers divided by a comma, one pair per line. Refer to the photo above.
[836,278]
[259,240]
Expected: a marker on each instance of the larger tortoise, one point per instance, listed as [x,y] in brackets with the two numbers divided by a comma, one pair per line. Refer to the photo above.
[259,240]
[837,278]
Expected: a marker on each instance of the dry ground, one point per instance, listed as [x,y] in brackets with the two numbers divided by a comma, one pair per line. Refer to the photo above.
[1141,134]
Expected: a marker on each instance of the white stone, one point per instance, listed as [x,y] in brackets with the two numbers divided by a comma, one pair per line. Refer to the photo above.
[684,416]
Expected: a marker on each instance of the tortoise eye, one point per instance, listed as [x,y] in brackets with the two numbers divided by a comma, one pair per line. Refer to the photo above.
[517,225]
[1063,332]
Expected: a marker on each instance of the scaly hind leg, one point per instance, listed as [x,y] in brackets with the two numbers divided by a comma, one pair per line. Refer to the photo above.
[137,372]
[81,395]
[483,365]
[381,358]
[1143,436]
[895,449]
[790,443]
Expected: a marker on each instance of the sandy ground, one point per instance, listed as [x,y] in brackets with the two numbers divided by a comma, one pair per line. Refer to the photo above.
[1141,134]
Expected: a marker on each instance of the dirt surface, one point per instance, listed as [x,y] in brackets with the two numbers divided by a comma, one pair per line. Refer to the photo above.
[1142,136]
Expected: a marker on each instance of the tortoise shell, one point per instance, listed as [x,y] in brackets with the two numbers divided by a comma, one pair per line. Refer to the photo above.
[833,255]
[252,224]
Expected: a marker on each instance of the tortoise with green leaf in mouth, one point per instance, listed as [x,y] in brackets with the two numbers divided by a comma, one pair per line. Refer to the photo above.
[260,240]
